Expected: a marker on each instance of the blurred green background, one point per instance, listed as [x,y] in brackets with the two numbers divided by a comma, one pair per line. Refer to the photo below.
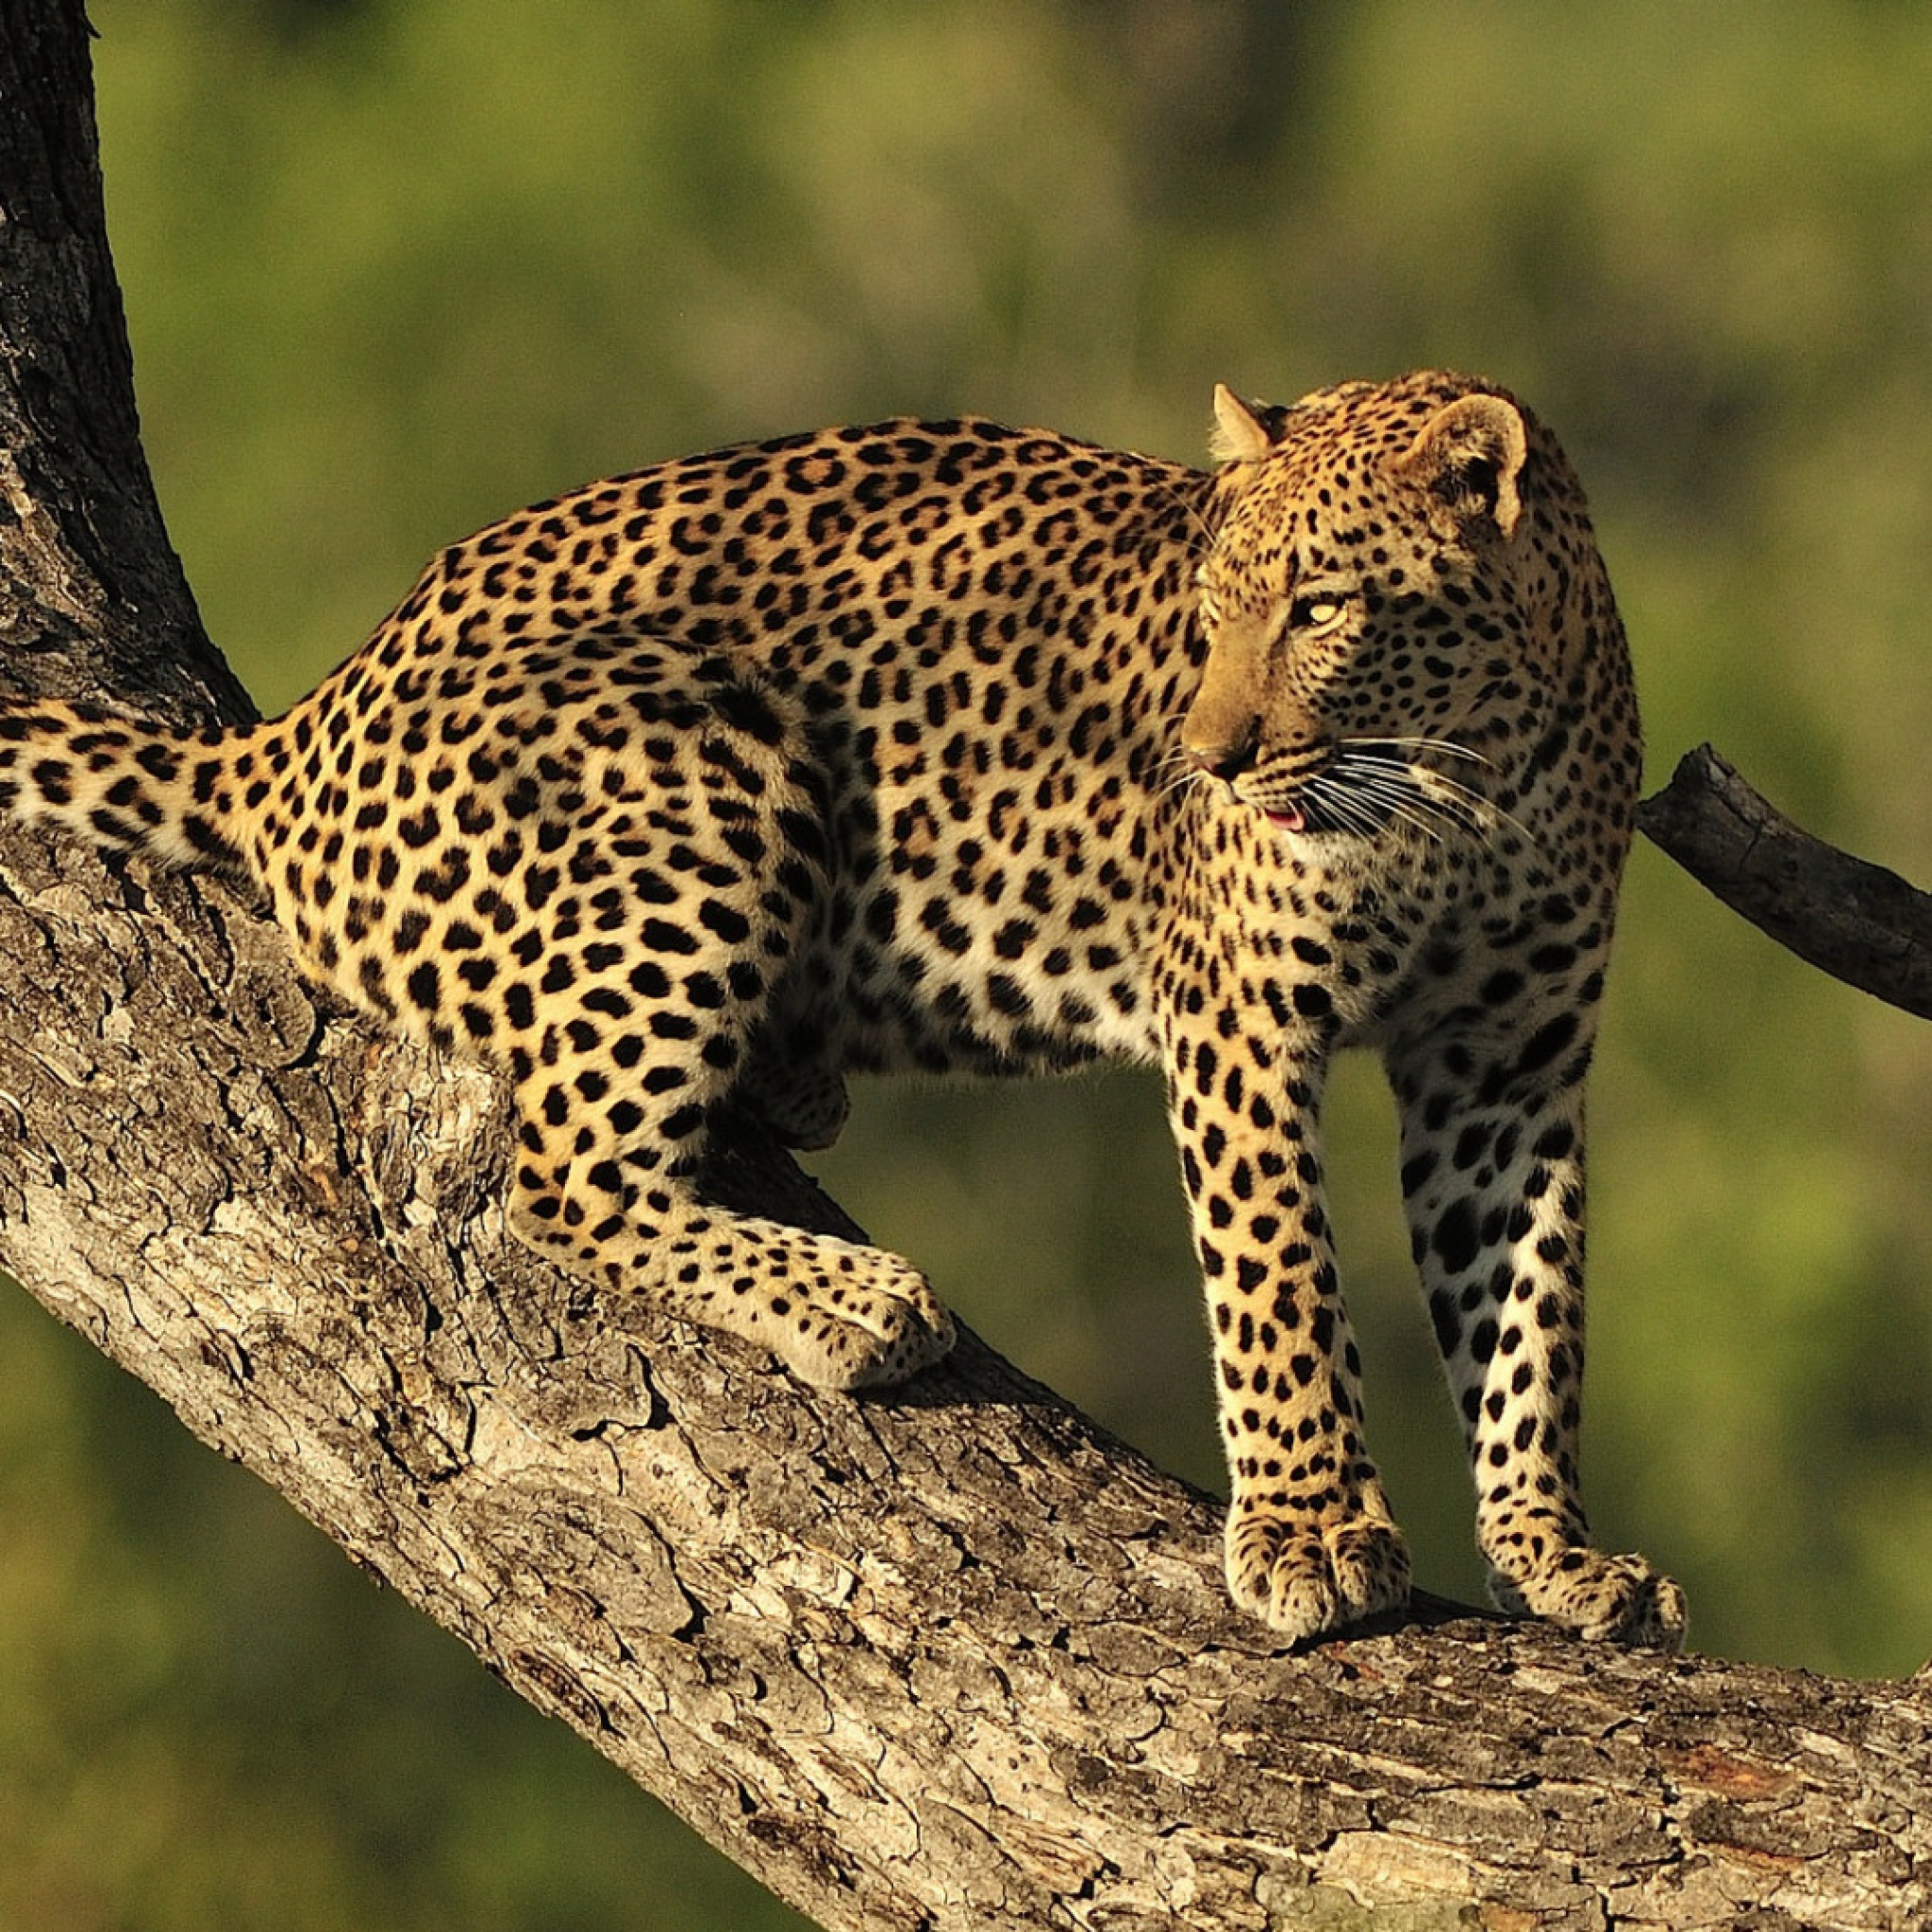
[395,266]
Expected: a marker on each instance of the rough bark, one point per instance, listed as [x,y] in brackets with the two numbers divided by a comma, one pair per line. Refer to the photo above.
[952,1659]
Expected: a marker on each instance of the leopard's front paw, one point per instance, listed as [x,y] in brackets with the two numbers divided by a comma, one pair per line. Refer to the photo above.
[1618,1599]
[1303,1574]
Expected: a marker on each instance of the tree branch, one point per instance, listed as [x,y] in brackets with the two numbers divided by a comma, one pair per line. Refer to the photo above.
[954,1659]
[1851,919]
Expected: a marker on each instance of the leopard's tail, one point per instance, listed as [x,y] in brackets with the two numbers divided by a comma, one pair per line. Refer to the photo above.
[122,783]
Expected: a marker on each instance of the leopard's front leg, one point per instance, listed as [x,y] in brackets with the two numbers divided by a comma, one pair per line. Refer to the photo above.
[1311,1544]
[1493,1178]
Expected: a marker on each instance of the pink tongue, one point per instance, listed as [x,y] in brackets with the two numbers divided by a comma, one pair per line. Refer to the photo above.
[1289,821]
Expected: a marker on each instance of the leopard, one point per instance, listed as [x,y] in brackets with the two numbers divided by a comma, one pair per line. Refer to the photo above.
[942,746]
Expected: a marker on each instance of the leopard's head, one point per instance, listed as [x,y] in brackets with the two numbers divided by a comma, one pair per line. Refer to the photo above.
[1387,603]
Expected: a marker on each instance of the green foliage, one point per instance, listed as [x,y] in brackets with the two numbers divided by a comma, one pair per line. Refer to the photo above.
[393,266]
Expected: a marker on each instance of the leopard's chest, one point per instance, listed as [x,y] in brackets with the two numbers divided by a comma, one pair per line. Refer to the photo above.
[1352,943]
[995,926]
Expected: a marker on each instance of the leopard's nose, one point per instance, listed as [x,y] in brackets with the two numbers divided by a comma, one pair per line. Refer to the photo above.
[1221,757]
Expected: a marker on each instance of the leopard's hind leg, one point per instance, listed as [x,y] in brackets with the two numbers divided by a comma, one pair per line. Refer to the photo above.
[651,975]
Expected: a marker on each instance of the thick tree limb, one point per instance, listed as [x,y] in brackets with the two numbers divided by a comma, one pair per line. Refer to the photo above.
[951,1660]
[1854,920]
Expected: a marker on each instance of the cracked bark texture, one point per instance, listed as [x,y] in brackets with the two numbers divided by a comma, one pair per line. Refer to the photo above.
[953,1658]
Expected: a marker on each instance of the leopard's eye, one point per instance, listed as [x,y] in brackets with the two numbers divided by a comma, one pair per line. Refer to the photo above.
[1318,610]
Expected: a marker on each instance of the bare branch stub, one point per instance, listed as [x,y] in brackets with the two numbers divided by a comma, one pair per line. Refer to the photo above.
[1851,919]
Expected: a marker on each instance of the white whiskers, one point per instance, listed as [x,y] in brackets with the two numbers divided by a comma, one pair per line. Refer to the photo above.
[1171,772]
[1367,786]
[1377,776]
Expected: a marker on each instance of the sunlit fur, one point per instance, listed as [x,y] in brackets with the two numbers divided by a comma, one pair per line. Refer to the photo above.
[948,746]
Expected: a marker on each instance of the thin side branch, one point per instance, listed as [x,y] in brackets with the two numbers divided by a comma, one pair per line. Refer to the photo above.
[1851,919]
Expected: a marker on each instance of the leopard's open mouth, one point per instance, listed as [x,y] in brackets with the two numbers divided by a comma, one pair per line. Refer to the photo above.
[1315,810]
[1365,785]
[1356,789]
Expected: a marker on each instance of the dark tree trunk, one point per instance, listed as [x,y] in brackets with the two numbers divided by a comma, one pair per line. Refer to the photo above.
[91,595]
[954,1659]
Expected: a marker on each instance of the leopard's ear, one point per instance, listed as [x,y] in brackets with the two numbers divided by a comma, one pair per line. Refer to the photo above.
[1469,453]
[1240,436]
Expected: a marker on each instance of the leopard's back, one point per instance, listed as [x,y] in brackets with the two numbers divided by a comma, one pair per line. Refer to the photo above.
[973,644]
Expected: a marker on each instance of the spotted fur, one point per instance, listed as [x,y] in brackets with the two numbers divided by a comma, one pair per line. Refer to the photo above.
[943,745]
